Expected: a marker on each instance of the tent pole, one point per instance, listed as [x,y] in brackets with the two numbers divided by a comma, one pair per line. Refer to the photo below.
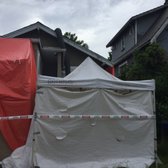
[155,131]
[33,138]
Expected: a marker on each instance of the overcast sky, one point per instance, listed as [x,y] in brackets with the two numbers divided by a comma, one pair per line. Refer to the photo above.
[94,21]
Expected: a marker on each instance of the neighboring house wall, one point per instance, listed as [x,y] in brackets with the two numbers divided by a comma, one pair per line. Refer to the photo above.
[128,39]
[139,26]
[76,57]
[31,34]
[124,43]
[163,39]
[41,61]
[144,23]
[51,56]
[46,39]
[150,26]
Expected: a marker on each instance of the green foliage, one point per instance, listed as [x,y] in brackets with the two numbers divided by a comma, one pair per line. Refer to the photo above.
[163,155]
[148,63]
[110,56]
[74,37]
[151,63]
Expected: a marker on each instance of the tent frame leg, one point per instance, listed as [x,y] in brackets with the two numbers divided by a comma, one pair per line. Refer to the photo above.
[33,141]
[155,131]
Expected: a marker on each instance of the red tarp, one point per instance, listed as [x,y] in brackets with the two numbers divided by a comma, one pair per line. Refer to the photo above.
[111,70]
[17,88]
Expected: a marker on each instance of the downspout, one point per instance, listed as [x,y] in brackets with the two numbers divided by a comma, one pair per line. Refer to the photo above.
[66,61]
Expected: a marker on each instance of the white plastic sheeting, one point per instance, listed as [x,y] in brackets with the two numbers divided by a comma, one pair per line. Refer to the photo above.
[90,142]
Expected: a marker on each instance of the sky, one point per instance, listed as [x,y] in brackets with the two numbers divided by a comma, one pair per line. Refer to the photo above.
[94,21]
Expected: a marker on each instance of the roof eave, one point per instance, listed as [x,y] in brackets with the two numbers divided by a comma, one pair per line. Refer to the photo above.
[35,26]
[120,31]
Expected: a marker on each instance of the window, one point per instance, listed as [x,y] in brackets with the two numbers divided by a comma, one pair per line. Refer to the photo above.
[130,31]
[123,43]
[114,47]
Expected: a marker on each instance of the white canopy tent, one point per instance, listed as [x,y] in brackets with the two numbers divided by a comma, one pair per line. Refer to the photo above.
[90,119]
[90,75]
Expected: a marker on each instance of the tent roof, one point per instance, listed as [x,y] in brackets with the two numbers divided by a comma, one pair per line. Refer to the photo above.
[89,70]
[89,75]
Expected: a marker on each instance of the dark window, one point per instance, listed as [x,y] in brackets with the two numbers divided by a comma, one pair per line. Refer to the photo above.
[123,43]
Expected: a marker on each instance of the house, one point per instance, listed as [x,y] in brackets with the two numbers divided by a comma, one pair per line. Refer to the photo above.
[55,54]
[141,30]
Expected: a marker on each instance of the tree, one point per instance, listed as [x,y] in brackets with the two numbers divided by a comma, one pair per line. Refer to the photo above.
[110,56]
[74,37]
[151,63]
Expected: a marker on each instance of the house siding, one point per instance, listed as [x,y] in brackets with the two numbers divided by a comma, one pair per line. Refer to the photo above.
[76,57]
[144,23]
[163,39]
[129,38]
[139,26]
[46,39]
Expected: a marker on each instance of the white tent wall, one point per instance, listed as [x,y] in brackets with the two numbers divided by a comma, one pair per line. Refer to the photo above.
[83,143]
[90,120]
[93,142]
[59,101]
